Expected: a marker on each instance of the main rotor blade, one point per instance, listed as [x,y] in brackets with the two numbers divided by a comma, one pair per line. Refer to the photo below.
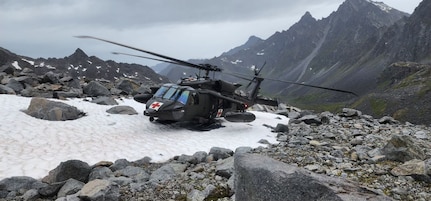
[290,82]
[314,86]
[178,61]
[151,58]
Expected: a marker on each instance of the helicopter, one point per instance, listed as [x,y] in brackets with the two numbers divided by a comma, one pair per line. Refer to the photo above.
[201,98]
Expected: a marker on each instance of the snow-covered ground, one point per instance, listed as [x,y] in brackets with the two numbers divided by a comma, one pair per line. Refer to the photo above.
[32,147]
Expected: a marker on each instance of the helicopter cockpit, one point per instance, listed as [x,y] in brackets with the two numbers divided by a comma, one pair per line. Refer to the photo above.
[174,92]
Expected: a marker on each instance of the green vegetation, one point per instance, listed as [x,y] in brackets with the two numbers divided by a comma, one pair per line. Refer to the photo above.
[378,106]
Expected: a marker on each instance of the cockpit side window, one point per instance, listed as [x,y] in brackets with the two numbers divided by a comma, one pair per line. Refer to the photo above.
[184,97]
[161,92]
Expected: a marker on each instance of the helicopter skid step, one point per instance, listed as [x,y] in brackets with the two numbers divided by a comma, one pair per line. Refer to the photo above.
[239,116]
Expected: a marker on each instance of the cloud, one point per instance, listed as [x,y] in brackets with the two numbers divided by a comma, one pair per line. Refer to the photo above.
[184,29]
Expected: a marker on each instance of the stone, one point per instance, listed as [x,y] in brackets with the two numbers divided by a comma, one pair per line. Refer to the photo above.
[402,148]
[71,186]
[282,128]
[95,89]
[122,109]
[74,169]
[120,164]
[414,168]
[167,172]
[220,153]
[348,112]
[224,168]
[6,90]
[100,172]
[15,85]
[105,100]
[45,109]
[100,190]
[311,120]
[261,178]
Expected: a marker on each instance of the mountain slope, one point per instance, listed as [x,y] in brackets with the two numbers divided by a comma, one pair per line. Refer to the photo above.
[80,65]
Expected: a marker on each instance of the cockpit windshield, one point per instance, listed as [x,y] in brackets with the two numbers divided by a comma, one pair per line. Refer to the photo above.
[174,92]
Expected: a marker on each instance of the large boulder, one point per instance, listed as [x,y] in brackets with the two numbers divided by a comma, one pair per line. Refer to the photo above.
[261,178]
[74,169]
[42,108]
[95,89]
[402,148]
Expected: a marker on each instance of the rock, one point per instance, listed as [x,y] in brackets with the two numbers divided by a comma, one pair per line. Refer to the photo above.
[167,172]
[243,150]
[30,195]
[388,120]
[127,86]
[51,189]
[104,100]
[187,159]
[120,164]
[200,156]
[122,109]
[51,77]
[197,195]
[95,89]
[262,178]
[348,112]
[6,90]
[42,108]
[414,168]
[71,186]
[20,184]
[282,128]
[74,169]
[402,148]
[136,173]
[15,85]
[220,153]
[72,93]
[224,168]
[311,120]
[100,173]
[100,190]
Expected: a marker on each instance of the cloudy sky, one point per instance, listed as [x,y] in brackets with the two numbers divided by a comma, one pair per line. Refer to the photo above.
[183,29]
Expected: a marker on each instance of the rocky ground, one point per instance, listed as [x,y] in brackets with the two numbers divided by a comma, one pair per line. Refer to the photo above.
[381,155]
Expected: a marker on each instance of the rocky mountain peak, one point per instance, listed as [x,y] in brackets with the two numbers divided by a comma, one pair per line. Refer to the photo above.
[306,18]
[78,55]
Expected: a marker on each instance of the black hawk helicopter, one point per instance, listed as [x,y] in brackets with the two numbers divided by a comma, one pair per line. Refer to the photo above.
[201,98]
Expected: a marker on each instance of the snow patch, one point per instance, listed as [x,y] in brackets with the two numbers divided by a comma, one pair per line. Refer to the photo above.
[16,65]
[381,5]
[28,61]
[236,62]
[32,147]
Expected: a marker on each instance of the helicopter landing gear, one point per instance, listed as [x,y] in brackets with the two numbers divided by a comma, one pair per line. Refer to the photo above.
[151,119]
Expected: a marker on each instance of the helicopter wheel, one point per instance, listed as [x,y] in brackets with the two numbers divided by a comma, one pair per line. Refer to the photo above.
[151,119]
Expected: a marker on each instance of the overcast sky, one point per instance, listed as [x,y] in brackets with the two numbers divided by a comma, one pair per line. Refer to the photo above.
[184,29]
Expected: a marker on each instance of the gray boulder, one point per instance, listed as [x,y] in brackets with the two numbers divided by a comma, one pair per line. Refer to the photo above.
[42,108]
[105,100]
[402,148]
[71,186]
[167,172]
[15,85]
[100,190]
[127,86]
[261,178]
[122,109]
[19,185]
[6,90]
[74,169]
[95,89]
[220,153]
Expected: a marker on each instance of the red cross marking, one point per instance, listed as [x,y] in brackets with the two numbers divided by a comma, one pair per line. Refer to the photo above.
[155,105]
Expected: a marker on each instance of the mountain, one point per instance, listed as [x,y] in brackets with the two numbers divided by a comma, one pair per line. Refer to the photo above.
[80,65]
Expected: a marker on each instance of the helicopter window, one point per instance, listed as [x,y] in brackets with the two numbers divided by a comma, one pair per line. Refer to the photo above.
[183,97]
[160,92]
[170,93]
[195,99]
